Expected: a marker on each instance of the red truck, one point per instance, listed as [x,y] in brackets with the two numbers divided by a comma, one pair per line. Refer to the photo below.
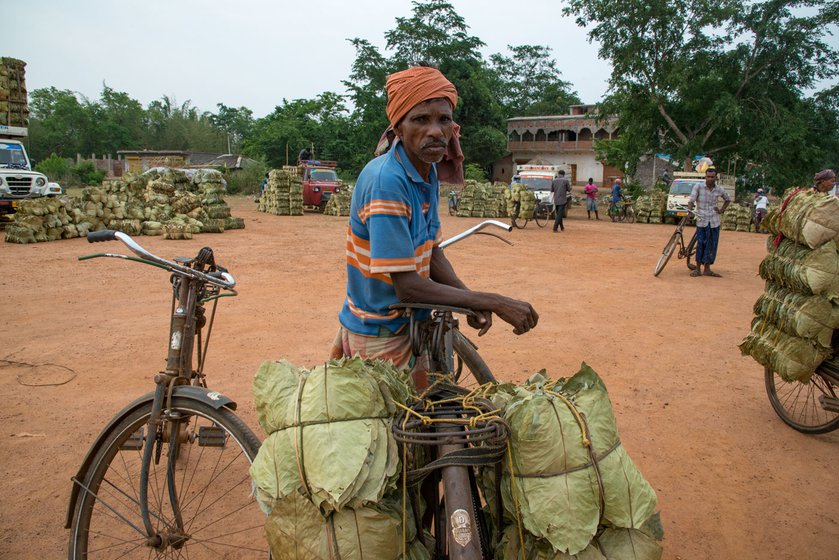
[319,182]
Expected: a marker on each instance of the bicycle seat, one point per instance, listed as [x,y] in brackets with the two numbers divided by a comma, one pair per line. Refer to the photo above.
[434,306]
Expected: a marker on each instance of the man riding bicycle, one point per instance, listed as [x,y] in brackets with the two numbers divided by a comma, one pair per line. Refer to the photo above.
[393,236]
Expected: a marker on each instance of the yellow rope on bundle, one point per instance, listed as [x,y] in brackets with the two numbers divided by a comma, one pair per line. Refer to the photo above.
[576,413]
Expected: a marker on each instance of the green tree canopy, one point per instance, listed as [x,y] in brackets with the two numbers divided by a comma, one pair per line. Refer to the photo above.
[721,78]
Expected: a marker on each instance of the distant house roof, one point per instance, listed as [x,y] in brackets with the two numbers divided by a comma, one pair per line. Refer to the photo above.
[231,161]
[152,153]
[201,158]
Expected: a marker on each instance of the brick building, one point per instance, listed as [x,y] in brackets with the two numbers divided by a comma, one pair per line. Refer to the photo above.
[559,140]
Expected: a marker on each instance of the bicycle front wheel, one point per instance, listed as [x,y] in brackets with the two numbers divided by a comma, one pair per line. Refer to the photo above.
[471,368]
[690,253]
[797,403]
[630,215]
[200,502]
[666,253]
[541,216]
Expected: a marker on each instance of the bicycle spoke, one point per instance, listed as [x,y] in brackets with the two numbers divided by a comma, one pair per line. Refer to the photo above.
[237,510]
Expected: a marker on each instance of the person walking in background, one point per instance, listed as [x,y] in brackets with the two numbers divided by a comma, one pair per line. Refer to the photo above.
[761,203]
[617,196]
[591,198]
[561,188]
[707,221]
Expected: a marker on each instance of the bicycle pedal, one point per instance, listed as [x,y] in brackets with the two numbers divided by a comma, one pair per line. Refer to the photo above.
[211,436]
[830,404]
[134,441]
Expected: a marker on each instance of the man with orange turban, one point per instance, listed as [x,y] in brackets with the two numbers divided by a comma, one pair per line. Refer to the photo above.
[393,237]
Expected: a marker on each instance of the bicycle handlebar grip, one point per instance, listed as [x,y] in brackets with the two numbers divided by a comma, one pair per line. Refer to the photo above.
[103,235]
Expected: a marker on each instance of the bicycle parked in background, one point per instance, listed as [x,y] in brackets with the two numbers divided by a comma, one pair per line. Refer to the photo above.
[677,240]
[541,215]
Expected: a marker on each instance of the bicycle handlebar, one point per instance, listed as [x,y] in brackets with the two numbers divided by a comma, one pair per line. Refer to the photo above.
[222,279]
[477,229]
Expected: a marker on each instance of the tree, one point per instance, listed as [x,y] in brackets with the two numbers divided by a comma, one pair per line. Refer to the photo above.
[236,123]
[710,77]
[60,124]
[529,82]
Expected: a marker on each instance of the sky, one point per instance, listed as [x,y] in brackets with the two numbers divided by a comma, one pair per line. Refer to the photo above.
[254,53]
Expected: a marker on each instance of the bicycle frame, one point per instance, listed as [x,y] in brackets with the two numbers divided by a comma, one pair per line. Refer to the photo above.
[194,283]
[460,524]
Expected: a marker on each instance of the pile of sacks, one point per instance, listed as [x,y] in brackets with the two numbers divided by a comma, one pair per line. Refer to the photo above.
[519,194]
[480,200]
[649,208]
[339,202]
[283,195]
[796,317]
[328,473]
[164,202]
[737,218]
[569,486]
[14,107]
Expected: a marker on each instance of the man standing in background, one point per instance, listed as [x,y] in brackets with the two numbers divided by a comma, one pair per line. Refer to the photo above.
[707,221]
[560,187]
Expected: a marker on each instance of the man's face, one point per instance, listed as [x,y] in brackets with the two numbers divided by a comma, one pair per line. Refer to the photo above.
[710,179]
[825,184]
[425,132]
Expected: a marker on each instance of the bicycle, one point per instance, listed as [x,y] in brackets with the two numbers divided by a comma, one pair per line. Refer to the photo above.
[197,502]
[685,251]
[622,211]
[461,435]
[810,407]
[541,215]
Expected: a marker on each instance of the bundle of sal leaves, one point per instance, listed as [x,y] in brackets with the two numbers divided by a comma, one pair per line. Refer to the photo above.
[796,317]
[327,473]
[164,202]
[521,196]
[569,488]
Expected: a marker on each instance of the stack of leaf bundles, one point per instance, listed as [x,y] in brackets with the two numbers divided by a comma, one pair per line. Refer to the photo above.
[795,319]
[328,471]
[283,195]
[339,202]
[569,487]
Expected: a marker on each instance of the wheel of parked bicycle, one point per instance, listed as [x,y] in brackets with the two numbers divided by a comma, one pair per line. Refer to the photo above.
[798,404]
[540,216]
[668,251]
[518,222]
[690,253]
[204,477]
[630,214]
[452,209]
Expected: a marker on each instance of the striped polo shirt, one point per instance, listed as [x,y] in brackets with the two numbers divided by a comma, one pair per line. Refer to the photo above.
[393,228]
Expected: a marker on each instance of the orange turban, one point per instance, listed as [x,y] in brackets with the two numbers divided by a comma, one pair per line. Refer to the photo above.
[410,87]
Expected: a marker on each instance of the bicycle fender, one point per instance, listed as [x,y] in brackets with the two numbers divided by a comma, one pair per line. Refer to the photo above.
[211,398]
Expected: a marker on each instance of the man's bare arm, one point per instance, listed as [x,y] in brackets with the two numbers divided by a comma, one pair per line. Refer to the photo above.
[445,288]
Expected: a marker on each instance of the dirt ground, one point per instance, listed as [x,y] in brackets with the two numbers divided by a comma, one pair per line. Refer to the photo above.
[733,482]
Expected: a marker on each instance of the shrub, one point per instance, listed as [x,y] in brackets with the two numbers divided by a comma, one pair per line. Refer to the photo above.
[246,180]
[87,174]
[474,172]
[54,167]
